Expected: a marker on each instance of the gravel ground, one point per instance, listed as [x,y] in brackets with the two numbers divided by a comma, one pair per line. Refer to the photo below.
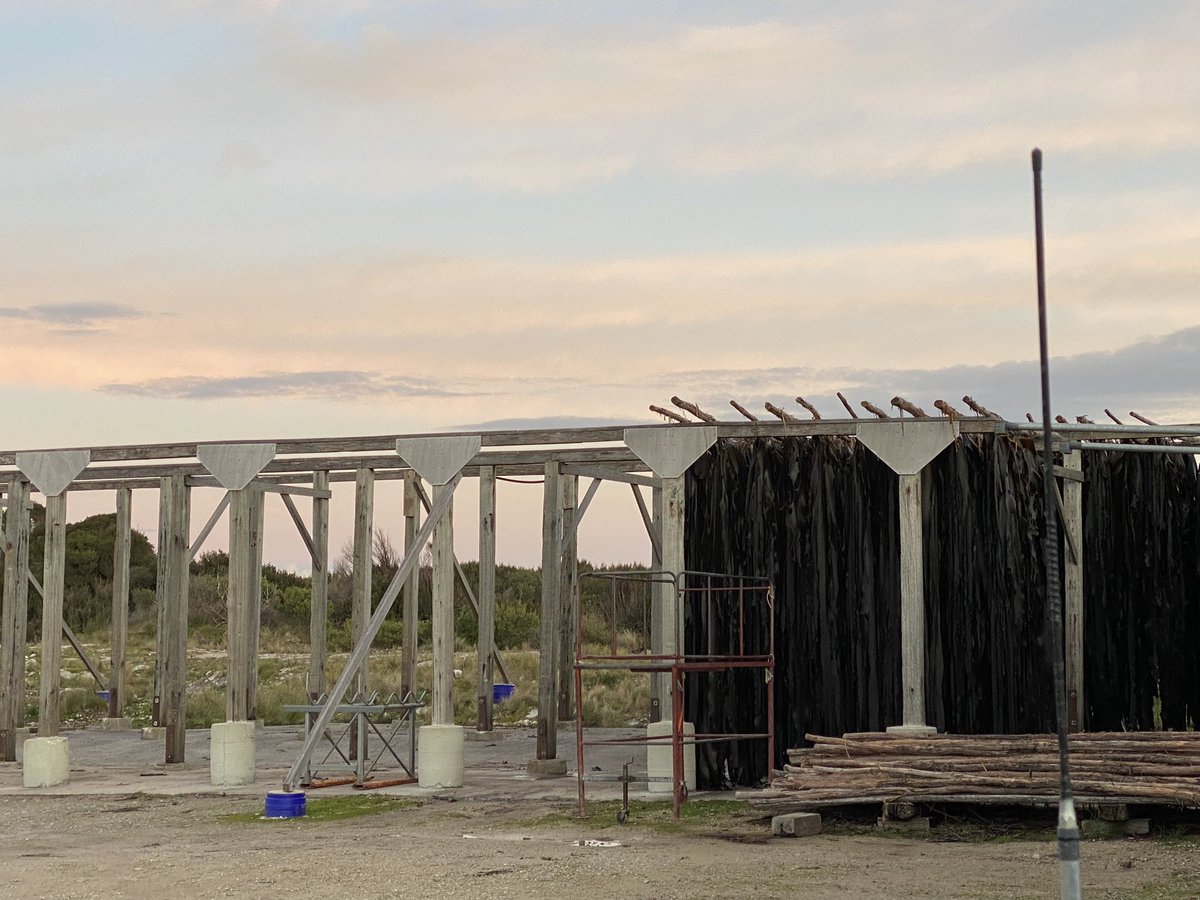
[139,846]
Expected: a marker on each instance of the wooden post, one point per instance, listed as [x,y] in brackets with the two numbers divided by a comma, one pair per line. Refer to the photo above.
[53,573]
[318,615]
[411,612]
[443,613]
[912,602]
[173,526]
[254,611]
[15,612]
[360,609]
[547,722]
[487,594]
[239,649]
[120,603]
[1073,605]
[568,602]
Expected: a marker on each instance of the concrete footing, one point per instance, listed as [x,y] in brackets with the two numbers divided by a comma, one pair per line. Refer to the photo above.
[659,765]
[123,723]
[913,730]
[231,753]
[47,762]
[802,824]
[440,756]
[547,768]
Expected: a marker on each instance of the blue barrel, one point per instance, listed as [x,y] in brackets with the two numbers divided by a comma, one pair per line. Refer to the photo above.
[285,804]
[501,692]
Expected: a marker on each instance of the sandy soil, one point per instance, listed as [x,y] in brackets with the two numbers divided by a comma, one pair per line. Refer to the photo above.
[139,846]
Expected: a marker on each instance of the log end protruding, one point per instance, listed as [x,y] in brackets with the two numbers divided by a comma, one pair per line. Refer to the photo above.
[946,410]
[694,410]
[846,403]
[783,415]
[874,410]
[1142,419]
[667,414]
[812,410]
[745,412]
[979,409]
[909,407]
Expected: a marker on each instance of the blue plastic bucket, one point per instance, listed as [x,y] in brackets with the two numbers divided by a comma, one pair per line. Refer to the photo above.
[502,692]
[285,804]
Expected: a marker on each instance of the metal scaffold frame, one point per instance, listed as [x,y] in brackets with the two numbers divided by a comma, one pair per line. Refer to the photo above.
[695,588]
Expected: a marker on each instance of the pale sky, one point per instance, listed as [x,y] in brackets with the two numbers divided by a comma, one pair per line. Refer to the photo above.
[268,219]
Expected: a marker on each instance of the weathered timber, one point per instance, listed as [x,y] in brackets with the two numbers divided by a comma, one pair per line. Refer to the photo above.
[120,603]
[318,616]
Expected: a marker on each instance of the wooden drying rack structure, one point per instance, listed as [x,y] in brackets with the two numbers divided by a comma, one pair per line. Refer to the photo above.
[308,467]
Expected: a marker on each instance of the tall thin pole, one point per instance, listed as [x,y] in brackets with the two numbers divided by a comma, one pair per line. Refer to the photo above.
[1068,825]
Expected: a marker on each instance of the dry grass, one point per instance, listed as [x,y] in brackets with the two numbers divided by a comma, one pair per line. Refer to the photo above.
[611,698]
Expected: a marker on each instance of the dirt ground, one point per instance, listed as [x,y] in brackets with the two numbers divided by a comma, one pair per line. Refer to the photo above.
[138,846]
[115,831]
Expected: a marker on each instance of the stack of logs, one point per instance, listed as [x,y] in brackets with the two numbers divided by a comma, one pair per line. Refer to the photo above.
[1144,767]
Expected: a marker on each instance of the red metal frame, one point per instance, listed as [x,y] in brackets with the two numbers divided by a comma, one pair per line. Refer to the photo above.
[678,665]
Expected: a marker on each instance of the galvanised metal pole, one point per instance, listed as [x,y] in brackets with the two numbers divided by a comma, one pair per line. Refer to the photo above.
[1068,824]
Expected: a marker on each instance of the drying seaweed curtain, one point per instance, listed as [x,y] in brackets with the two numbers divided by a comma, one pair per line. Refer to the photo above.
[818,516]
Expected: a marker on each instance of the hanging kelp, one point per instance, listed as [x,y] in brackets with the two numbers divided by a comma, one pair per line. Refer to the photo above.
[818,516]
[1142,590]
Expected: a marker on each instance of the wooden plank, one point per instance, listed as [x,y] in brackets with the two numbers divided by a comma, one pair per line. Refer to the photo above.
[1073,596]
[443,614]
[318,617]
[208,528]
[73,640]
[53,581]
[571,528]
[547,721]
[120,604]
[14,615]
[486,644]
[568,606]
[651,528]
[609,474]
[466,584]
[412,587]
[288,490]
[301,528]
[364,523]
[559,436]
[173,579]
[912,601]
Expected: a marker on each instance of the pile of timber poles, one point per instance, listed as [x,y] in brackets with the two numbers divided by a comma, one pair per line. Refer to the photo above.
[1148,767]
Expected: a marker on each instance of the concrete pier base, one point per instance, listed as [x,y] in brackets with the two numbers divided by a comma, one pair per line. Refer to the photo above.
[440,756]
[47,762]
[659,766]
[547,768]
[123,723]
[913,730]
[231,753]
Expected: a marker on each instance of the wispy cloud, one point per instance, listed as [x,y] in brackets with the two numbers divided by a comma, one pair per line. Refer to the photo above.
[82,318]
[326,385]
